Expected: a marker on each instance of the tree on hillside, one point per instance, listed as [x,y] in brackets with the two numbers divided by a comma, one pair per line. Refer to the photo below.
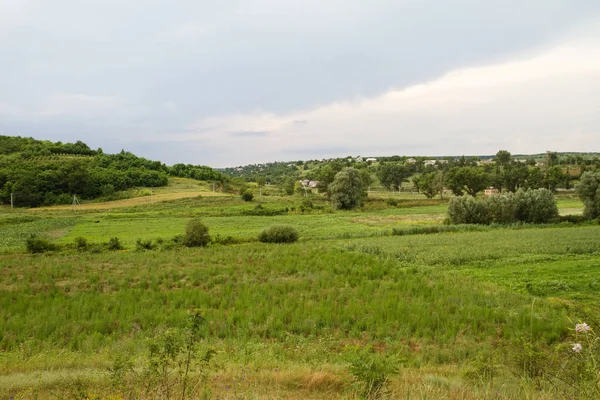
[347,190]
[588,190]
[471,180]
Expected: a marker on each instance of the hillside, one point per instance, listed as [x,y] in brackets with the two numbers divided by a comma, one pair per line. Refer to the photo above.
[41,173]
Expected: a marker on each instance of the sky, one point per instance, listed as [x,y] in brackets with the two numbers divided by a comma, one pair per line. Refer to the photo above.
[232,82]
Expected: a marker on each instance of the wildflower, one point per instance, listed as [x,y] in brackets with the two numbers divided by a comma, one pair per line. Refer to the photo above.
[583,327]
[577,348]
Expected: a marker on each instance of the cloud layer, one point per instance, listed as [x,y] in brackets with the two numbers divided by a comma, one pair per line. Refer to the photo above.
[235,82]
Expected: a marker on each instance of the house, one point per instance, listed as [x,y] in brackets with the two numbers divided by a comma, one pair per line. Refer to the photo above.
[490,191]
[313,184]
[411,161]
[371,159]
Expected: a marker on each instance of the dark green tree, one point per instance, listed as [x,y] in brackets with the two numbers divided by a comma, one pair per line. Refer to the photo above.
[391,175]
[470,180]
[588,190]
[347,189]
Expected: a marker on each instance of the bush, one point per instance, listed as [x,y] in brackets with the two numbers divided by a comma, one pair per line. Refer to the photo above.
[36,244]
[144,244]
[278,234]
[196,234]
[81,243]
[247,195]
[467,210]
[535,206]
[501,208]
[114,244]
[530,206]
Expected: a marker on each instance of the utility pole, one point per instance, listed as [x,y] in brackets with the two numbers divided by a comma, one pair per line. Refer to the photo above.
[75,202]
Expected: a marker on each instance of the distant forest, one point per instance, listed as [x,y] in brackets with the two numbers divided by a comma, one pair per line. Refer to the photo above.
[40,172]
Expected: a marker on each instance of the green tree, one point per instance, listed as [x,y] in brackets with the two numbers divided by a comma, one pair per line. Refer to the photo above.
[554,177]
[430,183]
[391,175]
[347,189]
[588,190]
[471,180]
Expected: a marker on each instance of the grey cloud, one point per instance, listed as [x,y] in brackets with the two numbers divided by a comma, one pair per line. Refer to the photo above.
[167,64]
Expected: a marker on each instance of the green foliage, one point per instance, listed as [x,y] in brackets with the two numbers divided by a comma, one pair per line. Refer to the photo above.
[372,371]
[535,206]
[588,189]
[468,210]
[261,211]
[144,244]
[196,234]
[430,184]
[347,190]
[501,208]
[177,365]
[391,175]
[114,244]
[483,369]
[247,195]
[278,234]
[531,206]
[81,243]
[470,180]
[49,173]
[36,244]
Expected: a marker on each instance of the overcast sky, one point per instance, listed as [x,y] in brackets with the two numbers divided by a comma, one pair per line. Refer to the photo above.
[227,83]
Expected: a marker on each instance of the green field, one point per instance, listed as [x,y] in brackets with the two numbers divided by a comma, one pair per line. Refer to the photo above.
[289,321]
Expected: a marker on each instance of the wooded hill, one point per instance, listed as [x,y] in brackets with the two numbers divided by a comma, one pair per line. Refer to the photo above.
[41,172]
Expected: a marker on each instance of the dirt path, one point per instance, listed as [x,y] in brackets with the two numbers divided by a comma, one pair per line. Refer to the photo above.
[136,201]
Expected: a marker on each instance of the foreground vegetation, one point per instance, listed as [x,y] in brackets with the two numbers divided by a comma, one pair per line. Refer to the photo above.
[379,301]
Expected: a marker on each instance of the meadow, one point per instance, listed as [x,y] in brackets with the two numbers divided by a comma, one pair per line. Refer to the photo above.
[303,320]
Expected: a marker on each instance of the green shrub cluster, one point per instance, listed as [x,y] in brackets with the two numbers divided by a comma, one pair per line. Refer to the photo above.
[532,206]
[247,195]
[196,234]
[36,244]
[278,234]
[261,211]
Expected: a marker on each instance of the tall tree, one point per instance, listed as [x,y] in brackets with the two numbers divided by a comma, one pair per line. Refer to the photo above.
[347,189]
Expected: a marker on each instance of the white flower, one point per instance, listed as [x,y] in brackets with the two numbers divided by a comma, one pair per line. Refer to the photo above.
[583,327]
[577,348]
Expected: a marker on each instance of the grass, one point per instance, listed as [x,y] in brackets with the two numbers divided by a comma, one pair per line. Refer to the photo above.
[285,317]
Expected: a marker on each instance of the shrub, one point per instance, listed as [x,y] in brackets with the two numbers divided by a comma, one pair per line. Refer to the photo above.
[372,371]
[278,234]
[501,208]
[535,206]
[36,244]
[81,243]
[467,210]
[114,244]
[247,195]
[144,244]
[196,234]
